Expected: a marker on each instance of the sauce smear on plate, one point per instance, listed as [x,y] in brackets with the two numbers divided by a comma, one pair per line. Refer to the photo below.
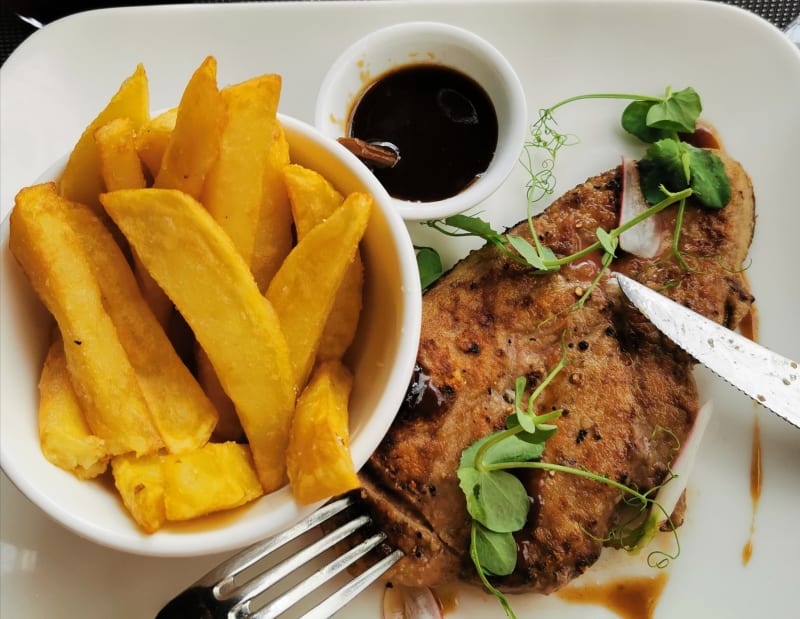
[630,598]
[749,329]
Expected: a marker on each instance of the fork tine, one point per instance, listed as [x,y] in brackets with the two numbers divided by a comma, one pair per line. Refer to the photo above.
[221,577]
[326,608]
[318,578]
[263,581]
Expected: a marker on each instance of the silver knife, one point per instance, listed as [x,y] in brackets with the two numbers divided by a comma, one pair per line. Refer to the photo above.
[770,379]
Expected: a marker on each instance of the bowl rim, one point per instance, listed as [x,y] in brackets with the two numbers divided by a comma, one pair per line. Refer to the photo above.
[508,151]
[282,510]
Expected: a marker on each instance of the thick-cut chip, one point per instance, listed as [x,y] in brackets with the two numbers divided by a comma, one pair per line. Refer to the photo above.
[232,193]
[52,256]
[66,440]
[183,414]
[215,477]
[140,483]
[156,489]
[273,239]
[228,427]
[304,288]
[233,189]
[342,323]
[194,143]
[82,180]
[122,169]
[199,268]
[152,139]
[318,461]
[313,199]
[120,166]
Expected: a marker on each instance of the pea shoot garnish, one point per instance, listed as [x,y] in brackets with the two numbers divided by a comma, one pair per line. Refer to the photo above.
[671,171]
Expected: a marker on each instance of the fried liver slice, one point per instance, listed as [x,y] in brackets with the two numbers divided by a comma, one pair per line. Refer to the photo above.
[627,393]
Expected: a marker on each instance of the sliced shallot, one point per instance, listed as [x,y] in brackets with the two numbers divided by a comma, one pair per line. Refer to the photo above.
[670,494]
[643,239]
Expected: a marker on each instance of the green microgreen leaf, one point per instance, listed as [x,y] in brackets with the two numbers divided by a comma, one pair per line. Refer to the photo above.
[509,448]
[709,182]
[527,251]
[473,225]
[473,554]
[542,433]
[526,423]
[665,163]
[429,264]
[634,121]
[496,499]
[607,241]
[678,112]
[549,258]
[497,552]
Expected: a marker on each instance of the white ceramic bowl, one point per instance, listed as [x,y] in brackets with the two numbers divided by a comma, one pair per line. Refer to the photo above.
[411,43]
[384,354]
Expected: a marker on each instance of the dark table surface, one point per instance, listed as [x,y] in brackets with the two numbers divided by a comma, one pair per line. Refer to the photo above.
[14,28]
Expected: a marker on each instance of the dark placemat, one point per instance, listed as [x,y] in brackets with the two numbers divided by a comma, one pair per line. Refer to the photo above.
[779,12]
[13,30]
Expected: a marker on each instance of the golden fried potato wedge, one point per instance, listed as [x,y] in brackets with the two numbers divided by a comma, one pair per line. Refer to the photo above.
[311,195]
[65,437]
[140,483]
[342,323]
[215,477]
[313,199]
[304,288]
[120,166]
[152,139]
[232,193]
[122,169]
[233,189]
[273,238]
[194,143]
[82,180]
[183,414]
[228,427]
[55,262]
[199,268]
[318,460]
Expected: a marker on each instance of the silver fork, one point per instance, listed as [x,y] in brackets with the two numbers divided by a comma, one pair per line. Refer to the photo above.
[218,595]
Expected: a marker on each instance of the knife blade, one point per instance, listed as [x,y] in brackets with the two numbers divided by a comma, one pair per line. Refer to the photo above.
[767,377]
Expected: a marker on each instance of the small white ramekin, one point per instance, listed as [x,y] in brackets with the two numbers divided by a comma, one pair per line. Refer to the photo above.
[410,43]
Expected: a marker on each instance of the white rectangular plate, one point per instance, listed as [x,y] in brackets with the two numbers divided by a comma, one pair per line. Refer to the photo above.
[749,78]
